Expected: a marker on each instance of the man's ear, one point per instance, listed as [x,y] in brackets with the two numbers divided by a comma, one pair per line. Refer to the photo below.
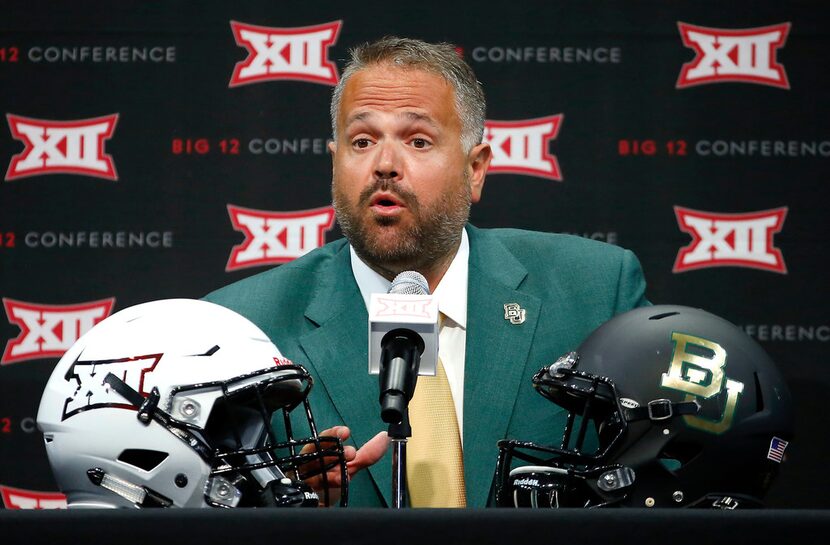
[332,145]
[478,162]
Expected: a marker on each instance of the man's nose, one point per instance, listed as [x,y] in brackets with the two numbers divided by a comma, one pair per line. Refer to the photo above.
[387,162]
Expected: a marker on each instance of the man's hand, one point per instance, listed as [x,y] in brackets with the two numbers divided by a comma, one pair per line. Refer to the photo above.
[356,459]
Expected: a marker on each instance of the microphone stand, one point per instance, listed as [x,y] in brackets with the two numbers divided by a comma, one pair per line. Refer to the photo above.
[400,362]
[398,434]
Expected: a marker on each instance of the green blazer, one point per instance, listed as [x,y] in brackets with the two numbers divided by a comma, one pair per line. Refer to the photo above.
[313,311]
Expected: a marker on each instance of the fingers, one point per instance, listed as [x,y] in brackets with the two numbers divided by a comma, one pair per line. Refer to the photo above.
[349,453]
[341,432]
[356,459]
[369,453]
[333,476]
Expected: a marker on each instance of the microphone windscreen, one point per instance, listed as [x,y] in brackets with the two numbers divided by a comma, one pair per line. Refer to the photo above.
[410,283]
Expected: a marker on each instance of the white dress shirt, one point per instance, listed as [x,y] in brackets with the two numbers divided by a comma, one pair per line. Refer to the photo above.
[451,293]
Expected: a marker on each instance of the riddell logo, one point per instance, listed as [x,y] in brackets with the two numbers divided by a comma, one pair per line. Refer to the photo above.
[522,147]
[48,331]
[62,147]
[731,240]
[285,53]
[745,55]
[16,498]
[277,237]
[279,362]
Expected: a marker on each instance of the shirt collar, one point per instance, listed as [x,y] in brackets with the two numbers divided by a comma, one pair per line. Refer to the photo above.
[451,291]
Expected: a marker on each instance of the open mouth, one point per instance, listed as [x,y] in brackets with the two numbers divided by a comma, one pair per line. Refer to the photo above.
[385,202]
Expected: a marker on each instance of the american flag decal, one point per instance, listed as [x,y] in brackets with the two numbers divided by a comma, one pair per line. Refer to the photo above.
[776,449]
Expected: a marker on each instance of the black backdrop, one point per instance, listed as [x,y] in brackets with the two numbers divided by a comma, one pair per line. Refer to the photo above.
[635,145]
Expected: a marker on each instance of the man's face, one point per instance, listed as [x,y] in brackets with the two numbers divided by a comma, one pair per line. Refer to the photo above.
[402,184]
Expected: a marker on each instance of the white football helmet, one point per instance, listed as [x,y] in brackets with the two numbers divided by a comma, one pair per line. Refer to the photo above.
[170,404]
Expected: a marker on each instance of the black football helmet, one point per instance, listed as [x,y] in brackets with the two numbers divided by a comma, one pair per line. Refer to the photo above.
[668,406]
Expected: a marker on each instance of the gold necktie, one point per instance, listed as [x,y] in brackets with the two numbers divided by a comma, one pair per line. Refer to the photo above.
[434,462]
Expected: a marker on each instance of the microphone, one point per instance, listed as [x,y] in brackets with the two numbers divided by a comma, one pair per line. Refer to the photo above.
[410,283]
[403,341]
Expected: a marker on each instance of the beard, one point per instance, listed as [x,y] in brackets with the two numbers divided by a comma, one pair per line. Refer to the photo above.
[382,242]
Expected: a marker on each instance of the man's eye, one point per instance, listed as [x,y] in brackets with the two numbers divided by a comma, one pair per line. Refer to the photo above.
[361,143]
[420,143]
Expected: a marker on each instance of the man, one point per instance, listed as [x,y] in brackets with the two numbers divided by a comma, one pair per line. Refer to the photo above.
[408,161]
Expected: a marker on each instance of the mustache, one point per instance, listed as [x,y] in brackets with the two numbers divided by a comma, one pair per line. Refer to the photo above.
[405,196]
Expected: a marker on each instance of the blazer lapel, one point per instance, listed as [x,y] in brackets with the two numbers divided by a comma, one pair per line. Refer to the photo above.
[338,352]
[496,353]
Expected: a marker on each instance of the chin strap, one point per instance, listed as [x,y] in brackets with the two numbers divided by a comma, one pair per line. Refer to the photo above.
[660,409]
[148,411]
[146,406]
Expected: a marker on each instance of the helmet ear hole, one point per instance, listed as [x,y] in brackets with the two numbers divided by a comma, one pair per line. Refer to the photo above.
[144,459]
[676,455]
[672,464]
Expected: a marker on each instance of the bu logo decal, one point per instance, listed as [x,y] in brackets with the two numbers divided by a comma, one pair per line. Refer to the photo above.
[699,373]
[741,55]
[277,237]
[62,147]
[736,240]
[285,53]
[522,147]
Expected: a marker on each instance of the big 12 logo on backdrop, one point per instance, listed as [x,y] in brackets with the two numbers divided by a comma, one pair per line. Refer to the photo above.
[62,147]
[299,53]
[740,55]
[272,238]
[17,498]
[736,240]
[47,331]
[523,146]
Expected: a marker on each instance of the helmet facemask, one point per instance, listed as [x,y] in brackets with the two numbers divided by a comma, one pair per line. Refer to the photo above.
[575,474]
[230,425]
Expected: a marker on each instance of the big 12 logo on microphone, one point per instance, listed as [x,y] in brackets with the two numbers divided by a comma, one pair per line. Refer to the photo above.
[285,53]
[523,146]
[739,55]
[47,331]
[62,147]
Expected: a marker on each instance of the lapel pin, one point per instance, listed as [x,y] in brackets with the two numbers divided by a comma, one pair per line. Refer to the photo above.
[514,313]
